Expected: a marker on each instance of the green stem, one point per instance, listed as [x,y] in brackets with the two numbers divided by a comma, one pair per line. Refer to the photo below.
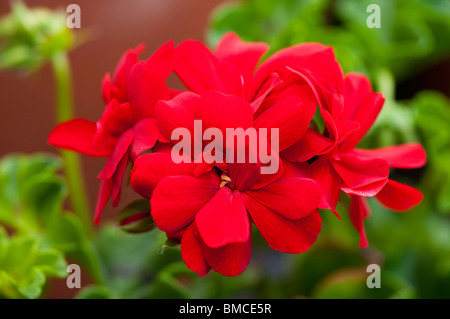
[72,164]
[386,83]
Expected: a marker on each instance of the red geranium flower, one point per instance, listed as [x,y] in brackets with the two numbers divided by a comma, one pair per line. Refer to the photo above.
[212,213]
[127,127]
[342,167]
[209,206]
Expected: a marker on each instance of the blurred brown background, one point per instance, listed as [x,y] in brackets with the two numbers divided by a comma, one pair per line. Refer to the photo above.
[27,103]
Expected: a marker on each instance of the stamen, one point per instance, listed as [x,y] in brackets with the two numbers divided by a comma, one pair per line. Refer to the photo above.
[225,180]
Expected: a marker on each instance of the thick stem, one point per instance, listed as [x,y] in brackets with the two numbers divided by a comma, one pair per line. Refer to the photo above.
[72,165]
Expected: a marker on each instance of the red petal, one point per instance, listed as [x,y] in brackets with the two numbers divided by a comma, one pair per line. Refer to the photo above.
[208,162]
[123,68]
[314,58]
[317,65]
[116,119]
[174,92]
[359,209]
[311,144]
[149,169]
[296,170]
[76,135]
[177,199]
[231,259]
[176,113]
[411,155]
[117,179]
[111,92]
[145,88]
[346,129]
[244,175]
[201,71]
[223,220]
[146,134]
[264,91]
[222,111]
[175,237]
[245,55]
[162,62]
[107,88]
[280,89]
[323,173]
[123,143]
[398,196]
[366,190]
[357,171]
[243,172]
[361,105]
[289,236]
[330,101]
[266,178]
[291,116]
[292,198]
[192,252]
[103,196]
[217,110]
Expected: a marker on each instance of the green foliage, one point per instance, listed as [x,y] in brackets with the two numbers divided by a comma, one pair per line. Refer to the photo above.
[31,207]
[129,262]
[145,266]
[413,32]
[25,263]
[432,119]
[32,193]
[31,196]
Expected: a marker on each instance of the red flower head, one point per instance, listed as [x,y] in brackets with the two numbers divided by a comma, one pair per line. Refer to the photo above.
[211,210]
[207,200]
[348,108]
[127,127]
[338,166]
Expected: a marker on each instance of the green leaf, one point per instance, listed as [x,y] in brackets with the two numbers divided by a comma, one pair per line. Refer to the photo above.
[412,33]
[166,286]
[432,118]
[32,194]
[94,292]
[350,283]
[31,204]
[25,264]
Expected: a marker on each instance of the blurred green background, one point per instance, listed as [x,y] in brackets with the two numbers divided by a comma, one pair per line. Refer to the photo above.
[408,59]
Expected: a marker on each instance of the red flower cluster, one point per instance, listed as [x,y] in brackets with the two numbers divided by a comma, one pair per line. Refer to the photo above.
[210,206]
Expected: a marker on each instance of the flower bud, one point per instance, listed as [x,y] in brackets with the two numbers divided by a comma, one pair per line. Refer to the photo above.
[29,37]
[136,218]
